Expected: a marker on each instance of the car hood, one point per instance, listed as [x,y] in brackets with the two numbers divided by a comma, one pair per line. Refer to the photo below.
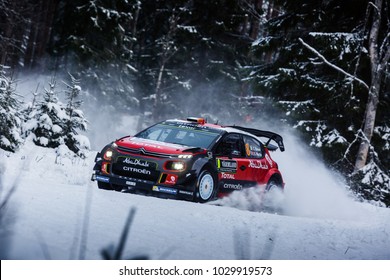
[135,143]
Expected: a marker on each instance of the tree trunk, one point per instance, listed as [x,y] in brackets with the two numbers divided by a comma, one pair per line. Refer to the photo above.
[157,105]
[368,128]
[255,22]
[377,71]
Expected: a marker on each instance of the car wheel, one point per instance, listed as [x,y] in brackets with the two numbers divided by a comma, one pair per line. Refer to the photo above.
[206,187]
[274,197]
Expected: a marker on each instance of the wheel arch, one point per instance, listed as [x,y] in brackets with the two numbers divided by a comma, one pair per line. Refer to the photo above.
[277,177]
[205,163]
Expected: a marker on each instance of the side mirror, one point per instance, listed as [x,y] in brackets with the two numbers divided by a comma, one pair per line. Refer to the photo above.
[271,147]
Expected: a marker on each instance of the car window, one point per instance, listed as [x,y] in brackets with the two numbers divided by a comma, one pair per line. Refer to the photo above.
[178,135]
[157,134]
[253,147]
[230,145]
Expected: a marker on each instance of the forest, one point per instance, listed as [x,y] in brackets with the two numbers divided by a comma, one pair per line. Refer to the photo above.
[321,67]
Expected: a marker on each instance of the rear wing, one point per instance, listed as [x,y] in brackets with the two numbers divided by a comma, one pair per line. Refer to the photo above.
[262,133]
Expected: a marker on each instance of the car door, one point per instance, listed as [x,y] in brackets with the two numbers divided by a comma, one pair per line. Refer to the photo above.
[257,164]
[232,164]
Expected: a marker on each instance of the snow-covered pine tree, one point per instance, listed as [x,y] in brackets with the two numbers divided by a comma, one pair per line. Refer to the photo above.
[29,112]
[10,118]
[75,120]
[46,120]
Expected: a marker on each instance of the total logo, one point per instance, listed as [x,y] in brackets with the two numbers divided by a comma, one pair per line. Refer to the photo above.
[227,176]
[145,144]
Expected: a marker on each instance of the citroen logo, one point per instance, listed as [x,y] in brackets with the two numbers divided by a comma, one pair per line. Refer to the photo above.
[142,150]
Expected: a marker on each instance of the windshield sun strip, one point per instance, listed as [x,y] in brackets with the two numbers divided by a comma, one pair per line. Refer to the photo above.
[205,130]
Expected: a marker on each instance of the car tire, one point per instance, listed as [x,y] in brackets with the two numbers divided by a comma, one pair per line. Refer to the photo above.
[205,187]
[274,197]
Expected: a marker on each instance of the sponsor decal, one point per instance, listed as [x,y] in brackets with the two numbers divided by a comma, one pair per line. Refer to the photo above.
[227,176]
[146,144]
[102,179]
[253,150]
[247,149]
[136,162]
[188,126]
[192,126]
[185,192]
[131,183]
[171,179]
[137,170]
[232,186]
[164,190]
[227,165]
[257,164]
[256,154]
[269,160]
[104,168]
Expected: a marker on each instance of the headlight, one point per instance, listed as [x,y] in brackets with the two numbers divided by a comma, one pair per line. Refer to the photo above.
[175,165]
[108,154]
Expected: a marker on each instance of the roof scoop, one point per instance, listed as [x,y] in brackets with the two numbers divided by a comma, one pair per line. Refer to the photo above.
[197,120]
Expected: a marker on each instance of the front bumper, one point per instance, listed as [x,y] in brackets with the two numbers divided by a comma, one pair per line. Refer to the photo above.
[133,184]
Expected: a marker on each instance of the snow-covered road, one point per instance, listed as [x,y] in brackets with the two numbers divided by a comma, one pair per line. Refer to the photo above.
[57,213]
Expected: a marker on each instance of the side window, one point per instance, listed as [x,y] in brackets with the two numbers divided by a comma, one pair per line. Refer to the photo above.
[253,147]
[230,145]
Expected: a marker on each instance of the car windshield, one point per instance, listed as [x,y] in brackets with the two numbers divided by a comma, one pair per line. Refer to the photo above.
[187,134]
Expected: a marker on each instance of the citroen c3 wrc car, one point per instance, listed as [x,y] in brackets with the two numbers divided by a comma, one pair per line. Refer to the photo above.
[190,159]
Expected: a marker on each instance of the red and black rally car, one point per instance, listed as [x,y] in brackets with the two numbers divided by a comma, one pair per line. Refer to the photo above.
[190,159]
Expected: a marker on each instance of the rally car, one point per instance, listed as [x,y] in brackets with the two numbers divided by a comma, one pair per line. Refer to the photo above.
[190,159]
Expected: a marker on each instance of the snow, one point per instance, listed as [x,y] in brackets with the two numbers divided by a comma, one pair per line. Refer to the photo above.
[43,140]
[56,212]
[5,141]
[190,29]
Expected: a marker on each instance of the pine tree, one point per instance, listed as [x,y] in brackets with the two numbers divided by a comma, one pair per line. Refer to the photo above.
[29,112]
[50,123]
[185,47]
[46,121]
[328,62]
[10,118]
[94,39]
[75,120]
